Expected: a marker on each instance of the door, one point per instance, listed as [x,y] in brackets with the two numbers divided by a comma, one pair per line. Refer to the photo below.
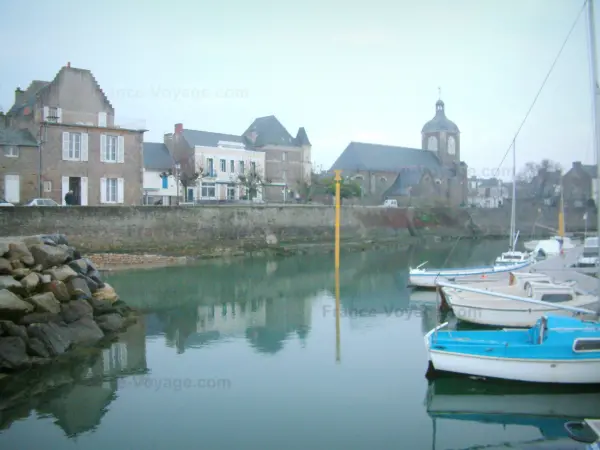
[84,191]
[75,188]
[65,189]
[12,188]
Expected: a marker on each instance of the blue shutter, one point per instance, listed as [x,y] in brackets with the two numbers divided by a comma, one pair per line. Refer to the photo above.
[165,184]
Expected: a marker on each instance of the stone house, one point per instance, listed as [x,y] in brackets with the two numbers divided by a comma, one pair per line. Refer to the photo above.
[83,148]
[160,182]
[19,159]
[580,184]
[486,192]
[433,173]
[284,162]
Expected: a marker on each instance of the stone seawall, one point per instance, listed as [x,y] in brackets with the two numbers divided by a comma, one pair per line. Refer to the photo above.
[225,229]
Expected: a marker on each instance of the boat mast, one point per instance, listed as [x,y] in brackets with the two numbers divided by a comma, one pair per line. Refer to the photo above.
[513,211]
[596,112]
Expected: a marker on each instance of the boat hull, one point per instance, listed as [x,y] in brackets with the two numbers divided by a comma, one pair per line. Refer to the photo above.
[534,371]
[428,278]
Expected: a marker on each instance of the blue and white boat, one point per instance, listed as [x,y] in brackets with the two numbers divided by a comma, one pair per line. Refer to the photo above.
[427,278]
[556,350]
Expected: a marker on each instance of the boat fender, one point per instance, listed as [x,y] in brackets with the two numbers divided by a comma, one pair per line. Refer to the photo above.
[528,289]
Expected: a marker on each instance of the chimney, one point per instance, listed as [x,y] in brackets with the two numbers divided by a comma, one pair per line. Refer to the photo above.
[19,96]
[577,165]
[69,64]
[178,128]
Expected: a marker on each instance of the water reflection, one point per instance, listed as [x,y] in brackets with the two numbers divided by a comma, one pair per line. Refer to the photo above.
[524,406]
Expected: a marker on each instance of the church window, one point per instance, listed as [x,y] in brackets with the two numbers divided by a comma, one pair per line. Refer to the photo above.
[432,143]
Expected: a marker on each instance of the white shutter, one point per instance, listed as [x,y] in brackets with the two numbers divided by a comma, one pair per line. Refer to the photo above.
[84,191]
[102,148]
[102,190]
[65,188]
[120,190]
[121,150]
[45,114]
[65,149]
[58,115]
[102,119]
[84,146]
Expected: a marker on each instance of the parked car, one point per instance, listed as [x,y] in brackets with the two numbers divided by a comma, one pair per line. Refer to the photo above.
[5,203]
[41,202]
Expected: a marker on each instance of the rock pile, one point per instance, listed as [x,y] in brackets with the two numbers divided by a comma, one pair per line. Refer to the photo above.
[52,299]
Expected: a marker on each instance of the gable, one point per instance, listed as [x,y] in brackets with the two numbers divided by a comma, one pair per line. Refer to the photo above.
[157,156]
[268,131]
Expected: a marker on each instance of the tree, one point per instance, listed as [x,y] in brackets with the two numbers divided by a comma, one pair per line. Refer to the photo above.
[190,178]
[252,181]
[308,189]
[348,188]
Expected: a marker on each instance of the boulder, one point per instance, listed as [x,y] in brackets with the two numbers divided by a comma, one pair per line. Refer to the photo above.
[45,278]
[45,302]
[19,274]
[101,306]
[31,282]
[30,241]
[60,291]
[17,264]
[56,339]
[18,251]
[55,239]
[91,266]
[13,353]
[110,323]
[39,317]
[12,306]
[84,331]
[106,293]
[96,278]
[91,284]
[75,310]
[9,283]
[12,329]
[61,273]
[80,266]
[48,256]
[78,288]
[35,347]
[5,267]
[4,248]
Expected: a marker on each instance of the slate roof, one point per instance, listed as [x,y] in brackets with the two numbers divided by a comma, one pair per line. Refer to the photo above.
[13,136]
[157,156]
[302,137]
[590,169]
[359,156]
[208,139]
[440,122]
[269,131]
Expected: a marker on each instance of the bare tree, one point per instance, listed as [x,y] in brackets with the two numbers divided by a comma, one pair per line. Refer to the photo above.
[252,181]
[191,178]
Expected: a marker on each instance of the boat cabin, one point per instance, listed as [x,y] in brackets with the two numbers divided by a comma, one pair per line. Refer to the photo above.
[548,292]
[510,258]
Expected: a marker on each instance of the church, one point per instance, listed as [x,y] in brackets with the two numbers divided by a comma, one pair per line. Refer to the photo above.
[433,174]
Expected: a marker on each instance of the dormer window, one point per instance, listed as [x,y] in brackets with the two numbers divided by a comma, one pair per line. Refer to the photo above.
[52,114]
[11,151]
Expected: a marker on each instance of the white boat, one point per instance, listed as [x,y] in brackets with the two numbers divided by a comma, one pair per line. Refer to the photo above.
[481,308]
[513,257]
[589,257]
[552,247]
[427,278]
[556,350]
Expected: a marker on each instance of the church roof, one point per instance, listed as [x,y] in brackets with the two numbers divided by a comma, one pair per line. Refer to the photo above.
[359,156]
[440,122]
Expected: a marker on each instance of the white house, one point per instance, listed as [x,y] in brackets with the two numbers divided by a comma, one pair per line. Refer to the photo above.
[221,165]
[486,193]
[160,184]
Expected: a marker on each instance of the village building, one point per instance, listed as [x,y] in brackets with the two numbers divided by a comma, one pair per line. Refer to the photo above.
[432,173]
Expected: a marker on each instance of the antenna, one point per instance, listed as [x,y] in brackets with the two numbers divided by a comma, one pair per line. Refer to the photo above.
[439,93]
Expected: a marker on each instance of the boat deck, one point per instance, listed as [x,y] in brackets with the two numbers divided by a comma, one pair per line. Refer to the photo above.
[559,268]
[594,424]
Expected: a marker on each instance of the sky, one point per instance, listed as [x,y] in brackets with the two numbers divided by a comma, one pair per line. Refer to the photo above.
[346,71]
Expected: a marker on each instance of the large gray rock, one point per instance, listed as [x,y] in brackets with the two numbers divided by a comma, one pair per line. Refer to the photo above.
[3,248]
[38,317]
[62,273]
[75,310]
[48,256]
[35,347]
[13,353]
[13,306]
[20,273]
[55,239]
[5,267]
[31,282]
[12,329]
[111,323]
[60,291]
[45,302]
[18,251]
[8,282]
[84,331]
[30,241]
[78,288]
[80,266]
[56,339]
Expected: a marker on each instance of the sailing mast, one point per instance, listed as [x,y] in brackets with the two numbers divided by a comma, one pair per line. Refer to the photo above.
[513,211]
[596,112]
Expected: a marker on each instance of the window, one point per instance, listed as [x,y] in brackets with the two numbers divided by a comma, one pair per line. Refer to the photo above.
[208,190]
[11,151]
[232,166]
[284,156]
[284,175]
[586,345]
[47,186]
[556,298]
[110,151]
[241,167]
[111,190]
[223,165]
[210,164]
[253,167]
[231,192]
[52,114]
[75,146]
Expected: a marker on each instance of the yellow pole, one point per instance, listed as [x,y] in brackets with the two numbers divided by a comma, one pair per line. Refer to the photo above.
[338,179]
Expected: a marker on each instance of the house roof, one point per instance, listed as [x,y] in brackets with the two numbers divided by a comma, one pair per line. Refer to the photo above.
[302,137]
[440,122]
[157,156]
[590,169]
[269,131]
[207,138]
[13,136]
[359,156]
